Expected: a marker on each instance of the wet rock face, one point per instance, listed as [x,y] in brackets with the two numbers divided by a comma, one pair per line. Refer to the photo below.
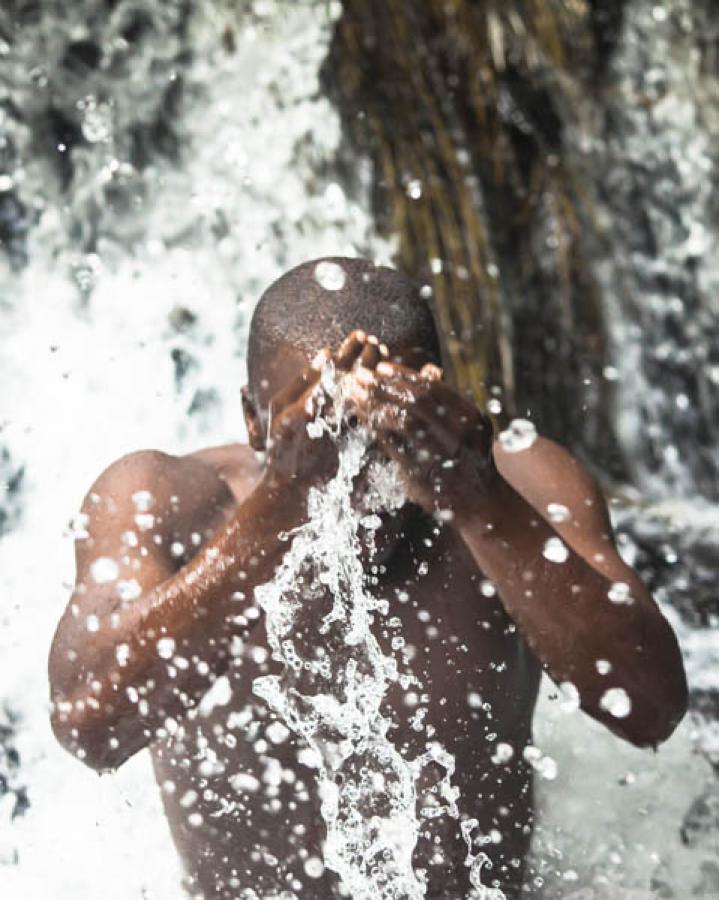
[679,564]
[11,483]
[655,162]
[61,112]
[13,795]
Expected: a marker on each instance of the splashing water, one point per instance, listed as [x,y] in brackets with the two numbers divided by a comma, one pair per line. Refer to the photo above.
[319,616]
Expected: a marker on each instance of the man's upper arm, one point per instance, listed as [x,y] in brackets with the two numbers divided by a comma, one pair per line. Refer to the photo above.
[562,491]
[122,553]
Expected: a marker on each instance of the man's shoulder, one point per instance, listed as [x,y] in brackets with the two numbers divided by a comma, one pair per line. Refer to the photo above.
[236,464]
[158,472]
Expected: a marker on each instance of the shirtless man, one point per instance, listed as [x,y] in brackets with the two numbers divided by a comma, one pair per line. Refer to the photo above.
[176,545]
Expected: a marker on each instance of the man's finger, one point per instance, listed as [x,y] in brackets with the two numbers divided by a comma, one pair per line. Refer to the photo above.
[395,370]
[287,395]
[350,349]
[370,356]
[431,372]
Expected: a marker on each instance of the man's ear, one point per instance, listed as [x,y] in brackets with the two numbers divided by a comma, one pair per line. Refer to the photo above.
[252,420]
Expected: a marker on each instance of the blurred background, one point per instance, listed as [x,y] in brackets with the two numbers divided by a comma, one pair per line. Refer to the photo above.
[549,169]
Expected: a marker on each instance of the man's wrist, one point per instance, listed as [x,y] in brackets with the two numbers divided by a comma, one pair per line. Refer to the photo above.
[483,513]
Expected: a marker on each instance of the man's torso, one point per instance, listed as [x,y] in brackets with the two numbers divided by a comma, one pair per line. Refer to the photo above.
[238,791]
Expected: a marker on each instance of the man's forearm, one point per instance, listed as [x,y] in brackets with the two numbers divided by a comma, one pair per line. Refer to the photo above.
[562,604]
[156,655]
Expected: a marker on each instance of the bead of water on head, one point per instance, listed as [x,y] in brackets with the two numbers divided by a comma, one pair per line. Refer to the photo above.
[520,435]
[122,654]
[555,550]
[603,666]
[330,275]
[616,701]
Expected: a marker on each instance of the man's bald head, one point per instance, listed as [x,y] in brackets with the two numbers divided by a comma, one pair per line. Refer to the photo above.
[318,303]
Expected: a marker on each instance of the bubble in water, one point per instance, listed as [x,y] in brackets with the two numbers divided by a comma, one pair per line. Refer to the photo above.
[104,569]
[558,512]
[616,702]
[555,550]
[330,275]
[165,647]
[520,435]
[314,867]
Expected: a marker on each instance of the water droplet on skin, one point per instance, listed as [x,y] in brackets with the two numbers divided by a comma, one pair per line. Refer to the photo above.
[128,590]
[144,521]
[558,512]
[142,500]
[165,647]
[104,569]
[330,275]
[620,592]
[122,654]
[616,702]
[555,550]
[129,538]
[520,435]
[92,623]
[603,666]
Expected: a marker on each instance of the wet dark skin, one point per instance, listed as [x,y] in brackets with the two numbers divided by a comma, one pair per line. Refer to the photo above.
[482,613]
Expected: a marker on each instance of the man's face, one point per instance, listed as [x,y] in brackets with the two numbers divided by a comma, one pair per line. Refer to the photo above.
[289,361]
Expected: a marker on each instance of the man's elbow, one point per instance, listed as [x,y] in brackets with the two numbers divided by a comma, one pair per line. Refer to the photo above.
[655,720]
[96,742]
